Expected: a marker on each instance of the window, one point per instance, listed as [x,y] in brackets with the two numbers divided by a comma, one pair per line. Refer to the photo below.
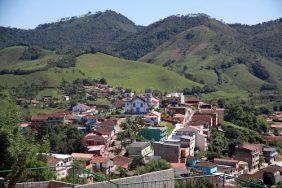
[134,104]
[141,104]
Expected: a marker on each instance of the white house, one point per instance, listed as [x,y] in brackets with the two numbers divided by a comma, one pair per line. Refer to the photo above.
[175,98]
[201,139]
[140,104]
[62,164]
[153,117]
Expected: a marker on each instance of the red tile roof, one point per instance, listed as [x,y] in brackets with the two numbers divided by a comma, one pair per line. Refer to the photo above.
[122,161]
[53,160]
[202,118]
[178,165]
[99,160]
[82,156]
[252,147]
[39,117]
[192,99]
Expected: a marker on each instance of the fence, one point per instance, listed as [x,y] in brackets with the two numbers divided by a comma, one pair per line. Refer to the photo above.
[82,178]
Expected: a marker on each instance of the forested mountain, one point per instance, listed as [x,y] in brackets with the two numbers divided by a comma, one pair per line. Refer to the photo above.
[230,57]
[217,54]
[99,31]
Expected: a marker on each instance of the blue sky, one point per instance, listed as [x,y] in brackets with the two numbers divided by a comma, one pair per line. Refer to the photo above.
[29,13]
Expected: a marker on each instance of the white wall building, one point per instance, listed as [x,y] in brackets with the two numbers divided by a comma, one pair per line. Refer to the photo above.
[140,104]
[201,139]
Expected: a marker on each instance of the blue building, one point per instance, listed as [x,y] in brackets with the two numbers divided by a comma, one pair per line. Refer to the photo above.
[206,167]
[89,121]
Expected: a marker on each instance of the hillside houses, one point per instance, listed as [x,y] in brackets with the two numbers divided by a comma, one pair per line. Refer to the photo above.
[175,128]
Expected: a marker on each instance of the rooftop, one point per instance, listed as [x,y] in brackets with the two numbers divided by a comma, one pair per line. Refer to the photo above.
[139,144]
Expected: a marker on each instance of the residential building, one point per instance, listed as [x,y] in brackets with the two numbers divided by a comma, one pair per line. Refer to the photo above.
[248,153]
[153,117]
[57,118]
[89,121]
[274,169]
[206,119]
[62,164]
[216,113]
[276,126]
[192,101]
[121,161]
[80,108]
[157,133]
[54,119]
[182,114]
[167,151]
[206,167]
[96,140]
[270,154]
[139,149]
[98,150]
[187,142]
[175,98]
[84,159]
[227,162]
[140,104]
[102,164]
[200,138]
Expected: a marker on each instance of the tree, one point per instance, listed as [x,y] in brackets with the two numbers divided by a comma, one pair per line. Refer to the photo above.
[136,162]
[268,178]
[19,151]
[102,81]
[130,129]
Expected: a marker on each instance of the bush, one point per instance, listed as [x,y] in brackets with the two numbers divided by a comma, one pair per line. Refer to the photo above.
[31,53]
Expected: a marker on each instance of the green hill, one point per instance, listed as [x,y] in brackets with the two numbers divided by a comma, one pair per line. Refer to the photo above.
[118,72]
[214,55]
[131,74]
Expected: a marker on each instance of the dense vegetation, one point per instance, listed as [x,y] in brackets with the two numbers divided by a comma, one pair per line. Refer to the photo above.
[63,139]
[19,151]
[243,124]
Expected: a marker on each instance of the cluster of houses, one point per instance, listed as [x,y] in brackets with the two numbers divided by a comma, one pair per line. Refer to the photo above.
[191,119]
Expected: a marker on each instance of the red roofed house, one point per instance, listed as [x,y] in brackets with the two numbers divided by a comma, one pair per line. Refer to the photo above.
[153,117]
[193,101]
[122,161]
[95,140]
[207,118]
[102,163]
[38,119]
[84,159]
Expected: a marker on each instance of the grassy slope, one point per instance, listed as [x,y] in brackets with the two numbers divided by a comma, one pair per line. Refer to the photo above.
[135,75]
[118,72]
[199,56]
[10,59]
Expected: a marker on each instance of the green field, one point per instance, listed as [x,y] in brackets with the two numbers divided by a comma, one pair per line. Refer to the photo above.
[129,74]
[118,72]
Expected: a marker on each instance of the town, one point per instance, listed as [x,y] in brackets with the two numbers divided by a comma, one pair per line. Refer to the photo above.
[135,131]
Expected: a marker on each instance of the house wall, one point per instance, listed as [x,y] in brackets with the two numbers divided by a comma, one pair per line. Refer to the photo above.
[252,158]
[169,152]
[139,104]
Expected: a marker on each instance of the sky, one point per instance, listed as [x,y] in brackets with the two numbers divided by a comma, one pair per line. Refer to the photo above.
[27,14]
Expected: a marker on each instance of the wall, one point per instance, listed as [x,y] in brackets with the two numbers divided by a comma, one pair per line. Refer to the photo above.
[153,180]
